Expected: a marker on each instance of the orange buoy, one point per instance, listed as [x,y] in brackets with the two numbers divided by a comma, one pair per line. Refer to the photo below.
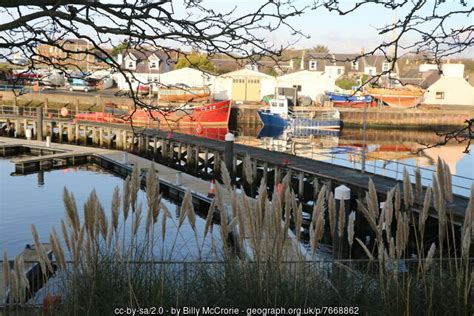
[199,129]
[64,112]
[279,188]
[212,190]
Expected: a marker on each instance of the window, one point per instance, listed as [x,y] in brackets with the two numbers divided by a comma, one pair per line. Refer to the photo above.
[130,64]
[355,65]
[297,87]
[339,71]
[313,64]
[385,66]
[154,64]
[439,95]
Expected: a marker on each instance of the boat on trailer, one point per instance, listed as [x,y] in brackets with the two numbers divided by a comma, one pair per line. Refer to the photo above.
[279,114]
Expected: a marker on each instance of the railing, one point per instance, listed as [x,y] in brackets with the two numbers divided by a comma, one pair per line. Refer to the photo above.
[353,159]
[16,88]
[31,112]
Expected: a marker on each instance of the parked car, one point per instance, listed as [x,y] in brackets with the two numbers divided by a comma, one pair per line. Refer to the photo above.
[80,85]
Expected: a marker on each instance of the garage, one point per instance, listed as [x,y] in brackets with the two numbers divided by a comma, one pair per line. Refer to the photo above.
[248,85]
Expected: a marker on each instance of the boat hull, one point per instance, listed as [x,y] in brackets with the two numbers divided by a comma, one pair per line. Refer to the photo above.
[399,101]
[184,95]
[275,120]
[211,115]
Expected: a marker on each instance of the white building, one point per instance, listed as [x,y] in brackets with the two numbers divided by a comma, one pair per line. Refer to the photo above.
[450,91]
[308,83]
[244,85]
[141,67]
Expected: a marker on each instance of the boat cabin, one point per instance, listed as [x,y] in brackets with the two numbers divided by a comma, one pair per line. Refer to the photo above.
[278,105]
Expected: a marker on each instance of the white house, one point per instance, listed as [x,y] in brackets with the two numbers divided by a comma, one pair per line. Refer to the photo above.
[141,67]
[308,83]
[244,85]
[450,91]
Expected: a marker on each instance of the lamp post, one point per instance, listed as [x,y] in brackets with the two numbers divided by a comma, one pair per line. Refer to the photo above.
[364,119]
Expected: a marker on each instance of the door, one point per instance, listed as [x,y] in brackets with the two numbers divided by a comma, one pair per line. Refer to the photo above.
[238,89]
[253,89]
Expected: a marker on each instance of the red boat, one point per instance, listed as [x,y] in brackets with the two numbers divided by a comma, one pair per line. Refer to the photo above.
[200,117]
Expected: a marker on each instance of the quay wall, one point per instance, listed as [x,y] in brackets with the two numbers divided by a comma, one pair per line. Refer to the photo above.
[419,118]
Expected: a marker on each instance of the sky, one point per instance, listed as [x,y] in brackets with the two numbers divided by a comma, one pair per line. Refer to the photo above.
[352,32]
[341,34]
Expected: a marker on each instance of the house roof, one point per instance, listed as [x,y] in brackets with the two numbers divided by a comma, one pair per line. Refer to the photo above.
[424,79]
[142,60]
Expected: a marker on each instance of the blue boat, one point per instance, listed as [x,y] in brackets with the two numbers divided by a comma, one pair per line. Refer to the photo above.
[278,114]
[342,98]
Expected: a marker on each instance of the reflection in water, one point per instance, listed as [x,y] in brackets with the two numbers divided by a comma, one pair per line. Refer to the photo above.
[30,199]
[388,152]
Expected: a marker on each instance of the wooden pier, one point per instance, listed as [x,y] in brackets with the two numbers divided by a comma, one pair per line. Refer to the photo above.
[32,272]
[202,157]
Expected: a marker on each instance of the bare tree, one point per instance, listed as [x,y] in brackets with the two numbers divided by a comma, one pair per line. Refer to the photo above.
[165,26]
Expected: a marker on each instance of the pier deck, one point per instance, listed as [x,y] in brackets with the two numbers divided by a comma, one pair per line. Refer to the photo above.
[122,163]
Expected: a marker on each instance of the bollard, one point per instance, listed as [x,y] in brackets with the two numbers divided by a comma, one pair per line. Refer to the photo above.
[179,179]
[125,157]
[28,133]
[342,195]
[229,154]
[48,141]
[39,123]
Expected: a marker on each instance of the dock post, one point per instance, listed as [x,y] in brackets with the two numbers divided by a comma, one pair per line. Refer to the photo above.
[301,185]
[147,145]
[276,175]
[265,171]
[229,154]
[340,247]
[39,123]
[206,160]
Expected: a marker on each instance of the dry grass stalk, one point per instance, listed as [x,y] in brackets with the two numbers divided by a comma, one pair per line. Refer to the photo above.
[367,252]
[126,198]
[71,211]
[57,249]
[350,228]
[6,272]
[209,217]
[372,200]
[318,230]
[397,201]
[66,238]
[298,221]
[319,205]
[332,213]
[223,215]
[418,185]
[248,169]
[134,187]
[341,218]
[164,218]
[315,188]
[101,220]
[153,194]
[115,208]
[407,190]
[14,286]
[388,213]
[429,256]
[439,205]
[440,174]
[136,220]
[424,212]
[226,177]
[467,227]
[448,182]
[41,252]
[402,234]
[77,247]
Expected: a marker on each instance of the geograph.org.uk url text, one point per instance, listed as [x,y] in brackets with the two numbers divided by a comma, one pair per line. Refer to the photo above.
[265,311]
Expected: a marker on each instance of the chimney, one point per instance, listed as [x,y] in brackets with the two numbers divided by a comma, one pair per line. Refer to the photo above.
[302,60]
[119,59]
